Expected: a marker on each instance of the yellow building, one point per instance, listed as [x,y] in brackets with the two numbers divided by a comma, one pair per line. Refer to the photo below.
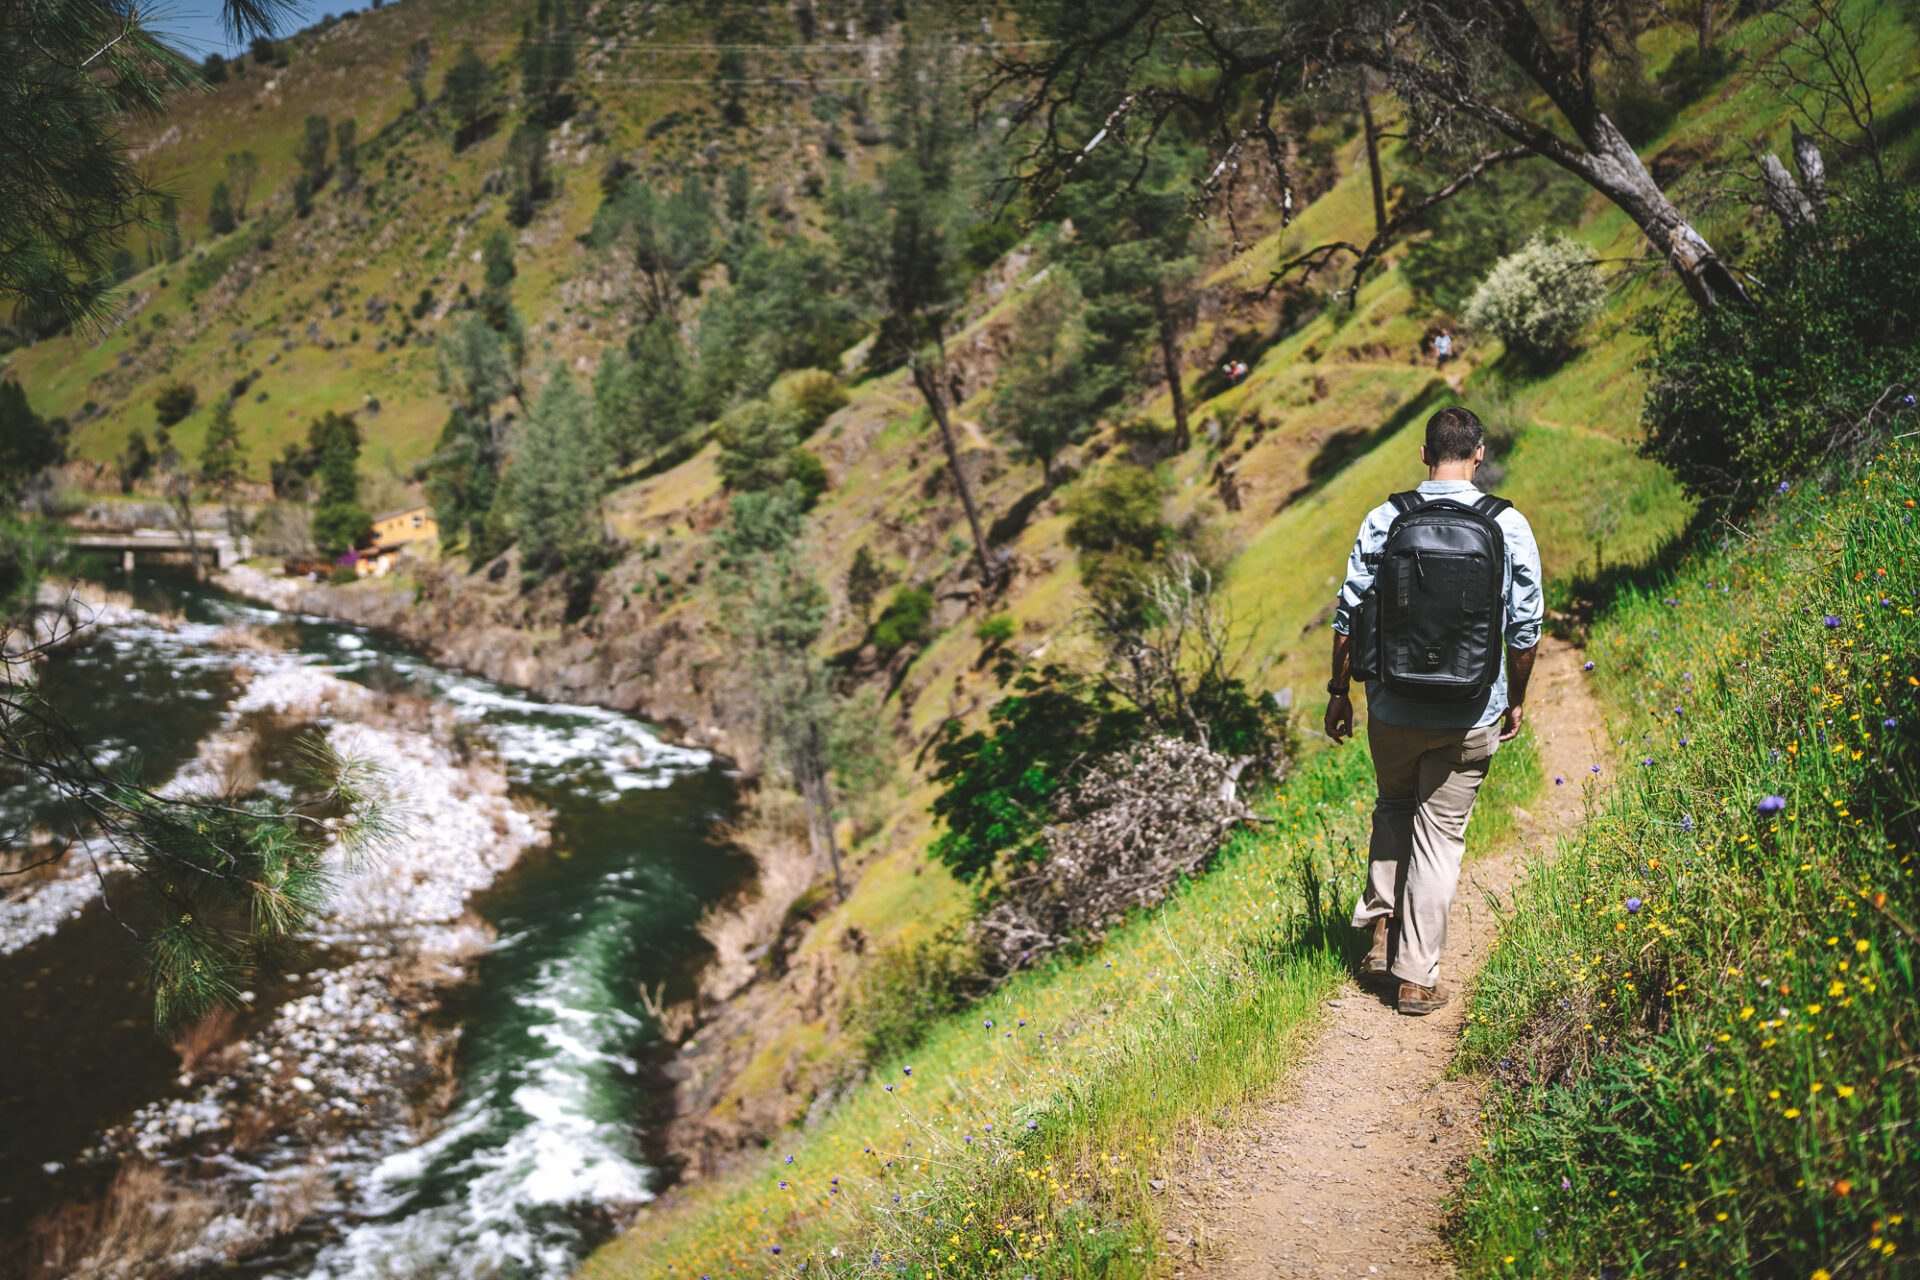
[396,529]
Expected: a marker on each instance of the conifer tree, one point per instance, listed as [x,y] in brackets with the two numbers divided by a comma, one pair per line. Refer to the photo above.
[778,626]
[242,168]
[527,160]
[558,478]
[419,60]
[546,62]
[1046,395]
[312,154]
[468,86]
[339,521]
[347,149]
[905,242]
[476,374]
[1134,258]
[220,219]
[29,444]
[668,239]
[223,460]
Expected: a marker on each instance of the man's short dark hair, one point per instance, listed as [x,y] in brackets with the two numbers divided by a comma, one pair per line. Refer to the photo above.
[1452,435]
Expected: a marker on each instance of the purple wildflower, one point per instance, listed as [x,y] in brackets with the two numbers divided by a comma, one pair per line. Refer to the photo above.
[1771,805]
[1889,723]
[906,1071]
[1558,781]
[989,1024]
[1784,486]
[1831,621]
[1596,768]
[1588,667]
[1686,822]
[1633,906]
[789,1160]
[783,1184]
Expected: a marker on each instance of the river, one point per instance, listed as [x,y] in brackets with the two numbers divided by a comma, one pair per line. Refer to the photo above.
[545,1140]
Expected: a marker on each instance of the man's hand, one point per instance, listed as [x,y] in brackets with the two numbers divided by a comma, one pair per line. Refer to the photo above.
[1339,717]
[1511,722]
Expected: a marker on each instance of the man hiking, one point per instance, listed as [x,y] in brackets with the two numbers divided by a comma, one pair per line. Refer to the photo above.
[1441,580]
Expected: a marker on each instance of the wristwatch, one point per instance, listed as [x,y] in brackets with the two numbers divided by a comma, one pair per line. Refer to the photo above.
[1338,690]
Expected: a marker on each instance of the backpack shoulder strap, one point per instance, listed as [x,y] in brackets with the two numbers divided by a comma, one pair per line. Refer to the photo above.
[1405,502]
[1491,507]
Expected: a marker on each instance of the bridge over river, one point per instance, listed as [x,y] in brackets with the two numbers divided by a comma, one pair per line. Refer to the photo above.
[205,544]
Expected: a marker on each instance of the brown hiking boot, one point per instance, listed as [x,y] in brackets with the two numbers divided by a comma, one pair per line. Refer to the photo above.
[1416,999]
[1375,965]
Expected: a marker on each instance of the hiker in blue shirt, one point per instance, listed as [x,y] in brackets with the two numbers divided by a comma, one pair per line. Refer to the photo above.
[1439,700]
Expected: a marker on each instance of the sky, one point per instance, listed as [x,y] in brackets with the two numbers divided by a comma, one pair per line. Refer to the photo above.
[195,27]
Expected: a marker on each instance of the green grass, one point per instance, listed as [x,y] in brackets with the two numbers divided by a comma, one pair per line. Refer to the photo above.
[1703,1012]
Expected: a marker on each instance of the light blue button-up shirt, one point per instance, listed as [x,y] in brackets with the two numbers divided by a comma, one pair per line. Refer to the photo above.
[1526,606]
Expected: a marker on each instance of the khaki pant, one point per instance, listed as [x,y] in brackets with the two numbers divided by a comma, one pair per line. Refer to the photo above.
[1427,779]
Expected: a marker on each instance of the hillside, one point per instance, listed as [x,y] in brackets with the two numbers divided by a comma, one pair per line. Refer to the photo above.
[1281,469]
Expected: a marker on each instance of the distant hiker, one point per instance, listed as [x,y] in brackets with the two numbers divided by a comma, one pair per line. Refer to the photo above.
[1236,371]
[1442,349]
[1440,581]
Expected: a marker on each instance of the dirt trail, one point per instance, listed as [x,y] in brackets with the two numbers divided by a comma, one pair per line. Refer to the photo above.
[1342,1171]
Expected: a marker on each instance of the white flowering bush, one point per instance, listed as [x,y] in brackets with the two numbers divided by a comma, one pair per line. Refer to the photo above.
[1539,299]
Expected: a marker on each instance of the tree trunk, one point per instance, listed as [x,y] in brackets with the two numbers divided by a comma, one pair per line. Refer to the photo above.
[812,770]
[1373,158]
[1612,167]
[1170,358]
[928,380]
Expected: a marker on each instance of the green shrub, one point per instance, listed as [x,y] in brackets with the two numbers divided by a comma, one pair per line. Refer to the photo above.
[805,469]
[1538,300]
[1118,511]
[995,631]
[907,619]
[1823,362]
[174,402]
[343,572]
[813,395]
[905,989]
[1000,783]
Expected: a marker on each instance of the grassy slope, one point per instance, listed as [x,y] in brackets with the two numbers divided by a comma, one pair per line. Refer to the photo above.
[1707,1013]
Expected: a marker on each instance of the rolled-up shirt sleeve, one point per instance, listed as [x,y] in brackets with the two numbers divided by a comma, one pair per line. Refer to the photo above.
[1369,542]
[1526,601]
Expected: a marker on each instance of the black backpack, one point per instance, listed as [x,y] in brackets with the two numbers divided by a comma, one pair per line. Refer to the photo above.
[1432,625]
